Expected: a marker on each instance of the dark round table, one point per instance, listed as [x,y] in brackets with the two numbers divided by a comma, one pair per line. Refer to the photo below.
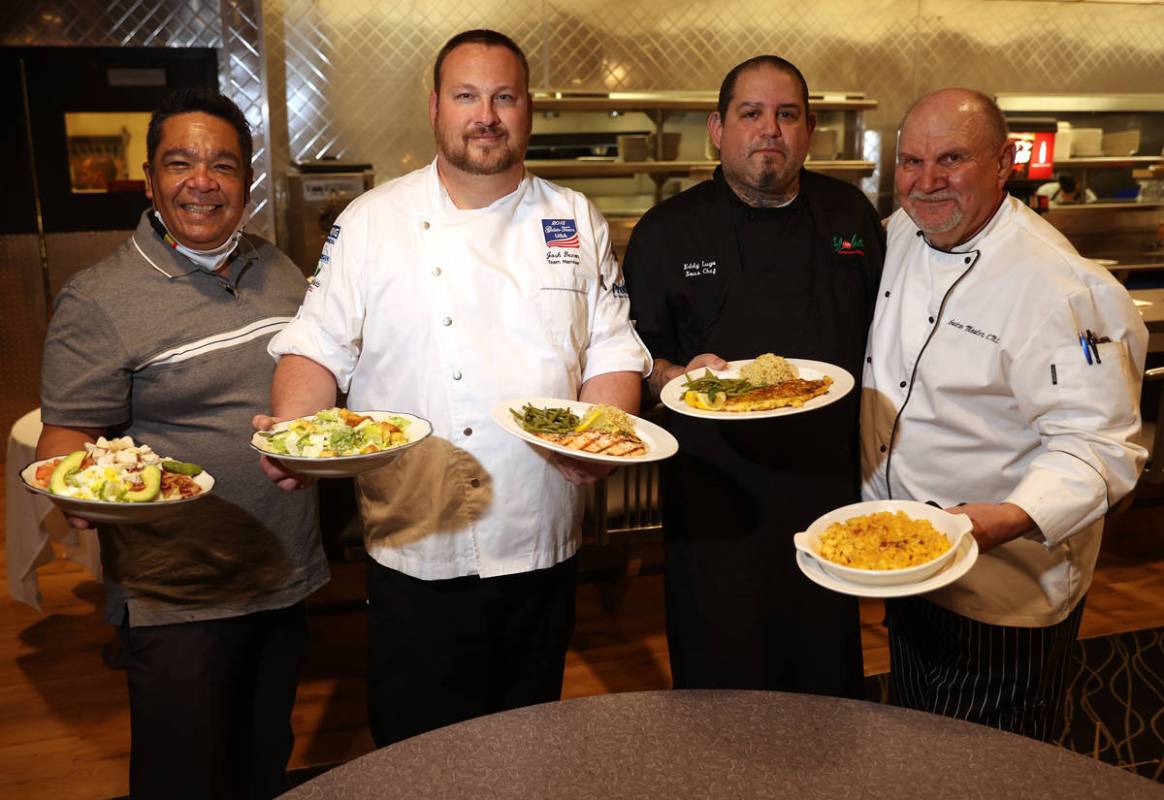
[701,744]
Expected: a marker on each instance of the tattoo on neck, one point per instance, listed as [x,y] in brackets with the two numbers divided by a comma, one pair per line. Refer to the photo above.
[760,199]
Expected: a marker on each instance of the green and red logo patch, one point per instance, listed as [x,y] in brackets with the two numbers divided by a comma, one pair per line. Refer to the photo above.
[848,246]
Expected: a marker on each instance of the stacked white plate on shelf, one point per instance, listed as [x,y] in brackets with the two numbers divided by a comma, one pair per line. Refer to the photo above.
[919,579]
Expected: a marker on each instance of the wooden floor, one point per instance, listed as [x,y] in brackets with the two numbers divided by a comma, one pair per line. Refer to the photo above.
[64,722]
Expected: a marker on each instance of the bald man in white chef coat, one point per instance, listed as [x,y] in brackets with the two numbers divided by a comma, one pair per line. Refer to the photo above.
[1002,382]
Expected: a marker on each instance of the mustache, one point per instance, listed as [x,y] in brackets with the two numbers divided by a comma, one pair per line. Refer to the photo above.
[772,144]
[477,129]
[933,197]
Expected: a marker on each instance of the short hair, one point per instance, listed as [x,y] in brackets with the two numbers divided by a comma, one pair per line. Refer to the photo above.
[205,101]
[728,88]
[482,36]
[994,121]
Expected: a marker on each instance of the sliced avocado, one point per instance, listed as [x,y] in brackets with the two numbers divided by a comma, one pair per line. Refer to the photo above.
[181,467]
[69,464]
[151,476]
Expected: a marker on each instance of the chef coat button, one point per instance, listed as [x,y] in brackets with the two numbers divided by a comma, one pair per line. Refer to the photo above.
[436,270]
[883,448]
[887,293]
[475,482]
[456,374]
[868,359]
[447,321]
[902,384]
[425,225]
[967,259]
[919,233]
[931,320]
[468,431]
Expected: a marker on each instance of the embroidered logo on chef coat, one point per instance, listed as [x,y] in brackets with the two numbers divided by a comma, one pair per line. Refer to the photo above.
[848,246]
[560,232]
[324,257]
[619,290]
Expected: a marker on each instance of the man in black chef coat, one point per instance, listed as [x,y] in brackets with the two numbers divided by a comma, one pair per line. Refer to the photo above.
[764,257]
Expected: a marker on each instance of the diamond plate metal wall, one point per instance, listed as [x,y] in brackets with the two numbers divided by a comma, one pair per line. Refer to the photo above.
[233,26]
[357,70]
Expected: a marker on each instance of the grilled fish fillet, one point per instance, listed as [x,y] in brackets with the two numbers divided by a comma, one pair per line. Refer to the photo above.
[605,442]
[793,393]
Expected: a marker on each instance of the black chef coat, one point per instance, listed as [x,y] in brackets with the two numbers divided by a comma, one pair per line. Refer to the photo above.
[706,273]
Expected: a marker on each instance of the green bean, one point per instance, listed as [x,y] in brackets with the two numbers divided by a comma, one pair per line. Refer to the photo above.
[710,385]
[545,420]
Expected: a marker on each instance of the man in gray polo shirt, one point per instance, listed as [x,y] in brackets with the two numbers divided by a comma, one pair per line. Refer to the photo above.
[166,341]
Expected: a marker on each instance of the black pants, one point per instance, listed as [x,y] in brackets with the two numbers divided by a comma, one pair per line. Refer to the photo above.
[1005,677]
[210,705]
[740,615]
[444,651]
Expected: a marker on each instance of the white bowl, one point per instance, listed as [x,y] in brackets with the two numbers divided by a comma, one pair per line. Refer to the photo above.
[419,429]
[953,526]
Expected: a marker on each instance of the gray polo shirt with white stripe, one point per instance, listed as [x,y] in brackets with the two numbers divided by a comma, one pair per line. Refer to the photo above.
[146,344]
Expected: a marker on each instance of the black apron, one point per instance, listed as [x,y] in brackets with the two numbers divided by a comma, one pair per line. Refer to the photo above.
[739,612]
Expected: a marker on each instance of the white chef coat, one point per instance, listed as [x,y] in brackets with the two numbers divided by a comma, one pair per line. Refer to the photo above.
[981,348]
[422,307]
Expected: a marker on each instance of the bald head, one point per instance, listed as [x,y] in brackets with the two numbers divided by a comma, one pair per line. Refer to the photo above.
[977,106]
[953,162]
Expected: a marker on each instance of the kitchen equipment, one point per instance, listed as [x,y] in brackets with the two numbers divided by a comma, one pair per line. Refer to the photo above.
[670,145]
[824,146]
[1121,143]
[1086,142]
[632,147]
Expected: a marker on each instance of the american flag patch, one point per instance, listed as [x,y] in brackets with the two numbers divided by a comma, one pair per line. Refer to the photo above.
[560,232]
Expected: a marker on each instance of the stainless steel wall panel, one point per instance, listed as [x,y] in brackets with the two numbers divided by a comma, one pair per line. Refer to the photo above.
[22,328]
[233,26]
[357,72]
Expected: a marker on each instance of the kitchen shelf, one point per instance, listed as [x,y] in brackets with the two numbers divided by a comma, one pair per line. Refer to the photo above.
[569,168]
[659,106]
[680,102]
[1110,162]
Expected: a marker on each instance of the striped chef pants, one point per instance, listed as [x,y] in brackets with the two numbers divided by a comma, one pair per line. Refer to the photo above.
[1009,678]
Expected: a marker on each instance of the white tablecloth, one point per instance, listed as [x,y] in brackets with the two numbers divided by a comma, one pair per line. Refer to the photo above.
[32,523]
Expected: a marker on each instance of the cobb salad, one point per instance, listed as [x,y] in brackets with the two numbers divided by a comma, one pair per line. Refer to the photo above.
[118,471]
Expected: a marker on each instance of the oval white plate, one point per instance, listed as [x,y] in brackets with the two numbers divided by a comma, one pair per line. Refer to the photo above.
[659,443]
[843,383]
[107,512]
[419,429]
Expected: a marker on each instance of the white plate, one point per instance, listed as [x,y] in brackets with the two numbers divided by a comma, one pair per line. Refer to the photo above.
[964,559]
[418,430]
[952,526]
[104,511]
[672,394]
[659,443]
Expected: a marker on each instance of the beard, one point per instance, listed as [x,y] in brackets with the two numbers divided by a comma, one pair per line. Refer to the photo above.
[930,224]
[459,150]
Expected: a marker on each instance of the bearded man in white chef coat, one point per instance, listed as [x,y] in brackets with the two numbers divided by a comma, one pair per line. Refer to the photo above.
[1002,382]
[447,292]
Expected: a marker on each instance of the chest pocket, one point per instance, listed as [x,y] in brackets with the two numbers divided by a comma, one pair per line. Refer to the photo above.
[562,306]
[1107,384]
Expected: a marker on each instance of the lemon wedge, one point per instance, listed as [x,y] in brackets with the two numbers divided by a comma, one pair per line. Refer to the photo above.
[594,416]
